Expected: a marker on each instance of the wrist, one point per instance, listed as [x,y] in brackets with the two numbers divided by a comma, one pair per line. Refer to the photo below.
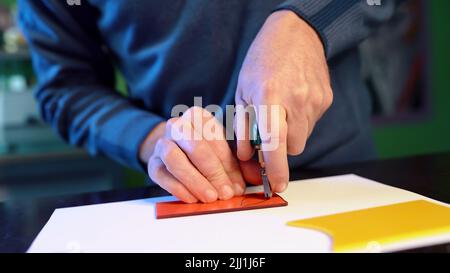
[148,145]
[293,23]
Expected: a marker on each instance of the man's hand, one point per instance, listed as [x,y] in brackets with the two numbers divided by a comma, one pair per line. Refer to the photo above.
[192,168]
[285,66]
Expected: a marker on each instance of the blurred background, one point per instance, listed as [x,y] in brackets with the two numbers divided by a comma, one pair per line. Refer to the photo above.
[405,64]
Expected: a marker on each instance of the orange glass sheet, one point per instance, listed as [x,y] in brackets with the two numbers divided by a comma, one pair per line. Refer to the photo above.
[245,202]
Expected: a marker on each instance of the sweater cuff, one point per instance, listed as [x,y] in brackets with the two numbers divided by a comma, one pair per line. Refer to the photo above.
[330,18]
[121,137]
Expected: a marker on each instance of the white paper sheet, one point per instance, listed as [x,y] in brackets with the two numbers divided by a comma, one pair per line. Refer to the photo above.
[131,226]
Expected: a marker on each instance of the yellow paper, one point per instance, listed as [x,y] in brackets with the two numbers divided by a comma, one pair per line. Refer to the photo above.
[364,229]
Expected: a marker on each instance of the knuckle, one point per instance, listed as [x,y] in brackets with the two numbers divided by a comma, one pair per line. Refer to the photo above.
[171,122]
[317,100]
[194,110]
[301,95]
[167,150]
[171,125]
[160,142]
[151,167]
[155,170]
[328,98]
[268,90]
[216,174]
[158,146]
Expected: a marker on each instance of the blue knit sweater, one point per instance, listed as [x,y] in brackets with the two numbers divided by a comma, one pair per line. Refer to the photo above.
[169,52]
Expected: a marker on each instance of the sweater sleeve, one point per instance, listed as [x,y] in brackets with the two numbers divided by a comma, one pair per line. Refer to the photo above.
[75,89]
[341,24]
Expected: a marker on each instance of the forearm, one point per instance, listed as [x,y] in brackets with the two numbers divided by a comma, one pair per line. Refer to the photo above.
[97,118]
[75,88]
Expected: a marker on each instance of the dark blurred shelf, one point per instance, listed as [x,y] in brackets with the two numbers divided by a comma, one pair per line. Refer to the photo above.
[28,140]
[20,55]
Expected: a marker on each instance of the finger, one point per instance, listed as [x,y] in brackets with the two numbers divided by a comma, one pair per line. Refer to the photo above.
[178,164]
[205,160]
[241,126]
[273,130]
[160,175]
[251,172]
[225,155]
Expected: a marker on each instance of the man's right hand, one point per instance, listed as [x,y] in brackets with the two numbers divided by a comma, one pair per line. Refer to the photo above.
[192,169]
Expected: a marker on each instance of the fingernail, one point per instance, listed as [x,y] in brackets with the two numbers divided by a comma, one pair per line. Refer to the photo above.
[211,196]
[238,189]
[282,187]
[227,192]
